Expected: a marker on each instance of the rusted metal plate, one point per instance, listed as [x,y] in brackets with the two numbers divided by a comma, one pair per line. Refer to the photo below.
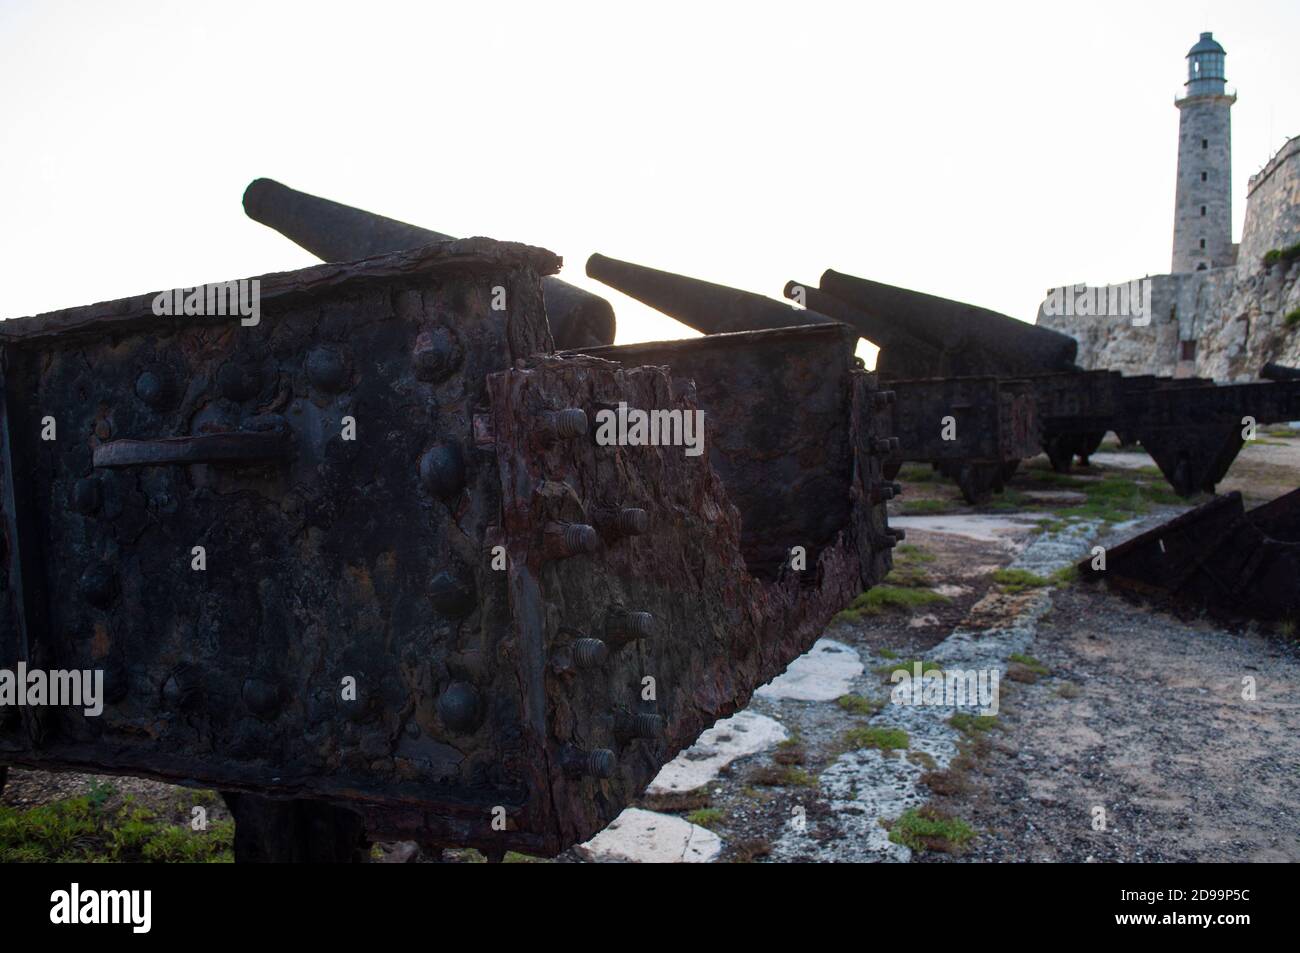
[451,618]
[780,402]
[711,630]
[353,559]
[1217,558]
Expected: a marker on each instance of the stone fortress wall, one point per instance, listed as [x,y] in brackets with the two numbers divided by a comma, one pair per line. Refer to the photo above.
[1223,323]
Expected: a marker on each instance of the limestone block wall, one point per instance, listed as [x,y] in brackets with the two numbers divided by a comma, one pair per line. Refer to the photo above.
[1231,320]
[1272,206]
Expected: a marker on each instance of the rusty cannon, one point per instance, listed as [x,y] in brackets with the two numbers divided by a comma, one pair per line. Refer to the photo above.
[381,563]
[1193,428]
[1279,372]
[335,232]
[970,341]
[993,420]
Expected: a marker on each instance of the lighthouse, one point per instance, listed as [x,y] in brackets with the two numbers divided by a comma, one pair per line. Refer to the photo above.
[1203,203]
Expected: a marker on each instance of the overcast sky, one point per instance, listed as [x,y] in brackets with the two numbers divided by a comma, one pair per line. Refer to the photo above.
[982,151]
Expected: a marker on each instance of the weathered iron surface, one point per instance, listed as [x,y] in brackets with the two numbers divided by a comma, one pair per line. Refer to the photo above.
[902,355]
[994,420]
[1279,372]
[976,341]
[335,232]
[532,622]
[1194,431]
[780,405]
[702,305]
[335,562]
[1217,558]
[972,429]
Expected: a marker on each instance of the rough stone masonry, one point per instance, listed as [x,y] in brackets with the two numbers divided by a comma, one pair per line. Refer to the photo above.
[1222,311]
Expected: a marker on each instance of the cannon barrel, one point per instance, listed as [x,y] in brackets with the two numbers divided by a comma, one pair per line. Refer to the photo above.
[1279,372]
[702,305]
[952,326]
[901,355]
[335,232]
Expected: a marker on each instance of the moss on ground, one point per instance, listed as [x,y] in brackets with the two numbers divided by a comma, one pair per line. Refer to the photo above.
[1019,580]
[90,828]
[859,704]
[709,817]
[927,828]
[882,739]
[1029,662]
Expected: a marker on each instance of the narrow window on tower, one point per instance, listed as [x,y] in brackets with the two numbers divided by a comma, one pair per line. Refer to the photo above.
[1204,176]
[1202,209]
[1202,242]
[1205,143]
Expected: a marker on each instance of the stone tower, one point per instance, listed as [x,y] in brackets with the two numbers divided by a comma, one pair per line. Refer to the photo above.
[1203,205]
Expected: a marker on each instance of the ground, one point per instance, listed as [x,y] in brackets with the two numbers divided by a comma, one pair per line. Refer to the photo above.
[1122,732]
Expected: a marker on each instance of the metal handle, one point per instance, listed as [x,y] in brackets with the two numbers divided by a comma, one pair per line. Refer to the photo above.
[239,447]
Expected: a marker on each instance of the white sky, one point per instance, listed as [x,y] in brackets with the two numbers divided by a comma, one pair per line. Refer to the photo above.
[981,151]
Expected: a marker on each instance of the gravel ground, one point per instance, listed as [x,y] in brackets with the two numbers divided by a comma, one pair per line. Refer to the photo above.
[1142,716]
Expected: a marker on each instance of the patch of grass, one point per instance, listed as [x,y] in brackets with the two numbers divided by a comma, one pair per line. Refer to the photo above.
[1292,318]
[1276,255]
[921,759]
[929,507]
[859,705]
[83,829]
[1059,480]
[1019,580]
[747,851]
[909,666]
[883,739]
[887,653]
[1116,499]
[708,817]
[1068,690]
[914,553]
[878,599]
[909,577]
[1066,575]
[945,783]
[787,777]
[973,725]
[1029,662]
[917,473]
[794,755]
[928,828]
[99,793]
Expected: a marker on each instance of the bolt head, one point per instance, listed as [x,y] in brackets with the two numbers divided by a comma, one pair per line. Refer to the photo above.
[327,369]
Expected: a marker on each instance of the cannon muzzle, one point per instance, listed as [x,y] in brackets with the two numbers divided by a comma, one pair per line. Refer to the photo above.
[702,305]
[998,343]
[335,232]
[1279,372]
[901,355]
